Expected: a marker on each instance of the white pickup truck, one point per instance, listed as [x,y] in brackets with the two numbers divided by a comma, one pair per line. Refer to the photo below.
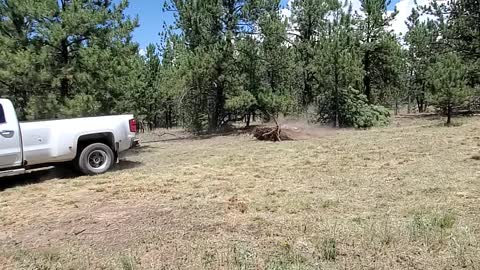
[93,143]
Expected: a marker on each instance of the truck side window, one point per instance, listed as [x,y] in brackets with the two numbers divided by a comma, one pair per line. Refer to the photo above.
[2,115]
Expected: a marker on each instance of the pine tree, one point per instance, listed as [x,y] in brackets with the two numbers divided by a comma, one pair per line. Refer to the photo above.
[243,100]
[339,56]
[448,79]
[309,18]
[203,31]
[421,39]
[23,62]
[464,35]
[375,45]
[216,33]
[68,49]
[277,93]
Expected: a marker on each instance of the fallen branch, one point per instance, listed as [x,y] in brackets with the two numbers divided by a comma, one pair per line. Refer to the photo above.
[79,232]
[97,232]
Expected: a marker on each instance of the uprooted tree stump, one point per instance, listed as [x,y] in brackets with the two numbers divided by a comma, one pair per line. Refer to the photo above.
[267,134]
[273,134]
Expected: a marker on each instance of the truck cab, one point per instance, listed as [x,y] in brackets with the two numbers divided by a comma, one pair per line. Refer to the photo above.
[11,154]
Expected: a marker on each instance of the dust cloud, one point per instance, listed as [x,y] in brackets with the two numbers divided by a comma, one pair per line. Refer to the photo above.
[301,130]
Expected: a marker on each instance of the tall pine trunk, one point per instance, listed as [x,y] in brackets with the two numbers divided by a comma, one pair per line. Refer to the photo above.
[366,79]
[449,114]
[337,103]
[307,90]
[217,109]
[421,103]
[409,110]
[396,104]
[64,83]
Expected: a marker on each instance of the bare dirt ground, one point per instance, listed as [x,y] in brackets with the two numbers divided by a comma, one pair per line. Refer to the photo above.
[403,197]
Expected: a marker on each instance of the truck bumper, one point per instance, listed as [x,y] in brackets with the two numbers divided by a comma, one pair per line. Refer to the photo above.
[135,143]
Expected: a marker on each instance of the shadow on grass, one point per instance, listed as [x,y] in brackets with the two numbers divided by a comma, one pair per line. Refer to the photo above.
[439,115]
[58,172]
[428,116]
[125,164]
[228,132]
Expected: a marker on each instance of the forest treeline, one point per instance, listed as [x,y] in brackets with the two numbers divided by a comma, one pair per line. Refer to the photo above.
[226,60]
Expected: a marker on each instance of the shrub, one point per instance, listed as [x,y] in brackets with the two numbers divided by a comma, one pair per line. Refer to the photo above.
[353,110]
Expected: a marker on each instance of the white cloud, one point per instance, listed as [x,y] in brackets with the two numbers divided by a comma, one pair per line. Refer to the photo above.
[404,8]
[398,25]
[356,5]
[287,12]
[142,52]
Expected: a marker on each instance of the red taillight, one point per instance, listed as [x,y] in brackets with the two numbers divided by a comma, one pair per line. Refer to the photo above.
[133,125]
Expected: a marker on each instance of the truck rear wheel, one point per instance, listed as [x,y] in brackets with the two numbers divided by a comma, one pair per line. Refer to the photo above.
[96,158]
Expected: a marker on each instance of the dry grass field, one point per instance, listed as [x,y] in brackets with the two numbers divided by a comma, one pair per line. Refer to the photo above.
[402,197]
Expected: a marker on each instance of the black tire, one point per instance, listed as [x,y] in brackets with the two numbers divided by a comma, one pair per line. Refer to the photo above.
[95,159]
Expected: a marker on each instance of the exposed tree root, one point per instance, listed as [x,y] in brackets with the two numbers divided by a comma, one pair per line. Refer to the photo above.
[273,134]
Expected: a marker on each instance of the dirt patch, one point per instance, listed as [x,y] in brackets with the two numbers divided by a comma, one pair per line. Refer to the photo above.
[302,131]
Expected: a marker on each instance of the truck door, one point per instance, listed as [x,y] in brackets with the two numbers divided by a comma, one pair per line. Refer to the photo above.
[10,140]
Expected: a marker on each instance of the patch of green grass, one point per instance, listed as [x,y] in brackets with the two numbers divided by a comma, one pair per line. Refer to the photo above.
[288,258]
[357,220]
[49,259]
[386,234]
[244,257]
[127,262]
[329,249]
[285,263]
[329,203]
[462,246]
[430,228]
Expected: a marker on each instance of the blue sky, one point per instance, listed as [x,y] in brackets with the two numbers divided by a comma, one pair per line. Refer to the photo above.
[152,18]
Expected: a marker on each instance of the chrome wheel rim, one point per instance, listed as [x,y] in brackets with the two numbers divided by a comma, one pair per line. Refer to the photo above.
[98,160]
